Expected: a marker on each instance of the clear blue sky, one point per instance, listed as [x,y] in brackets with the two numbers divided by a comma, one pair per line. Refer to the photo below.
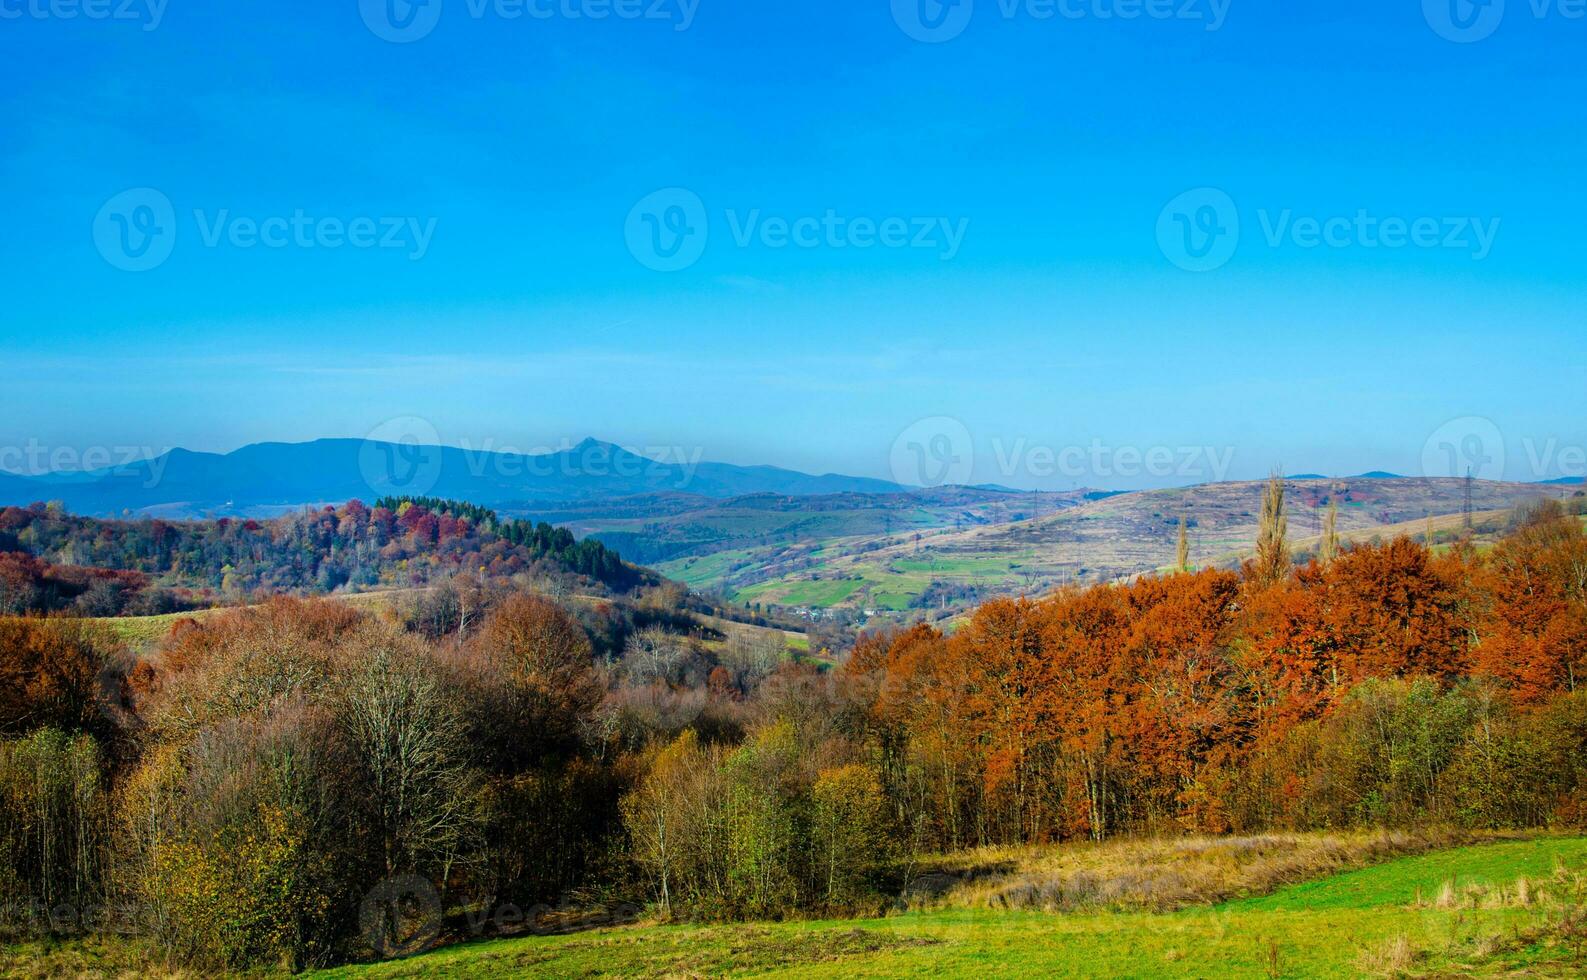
[532,317]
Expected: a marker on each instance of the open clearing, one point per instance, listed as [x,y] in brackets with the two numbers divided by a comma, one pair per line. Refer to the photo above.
[141,633]
[1380,920]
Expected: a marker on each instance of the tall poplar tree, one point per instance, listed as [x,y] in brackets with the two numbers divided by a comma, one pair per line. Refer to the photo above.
[1272,545]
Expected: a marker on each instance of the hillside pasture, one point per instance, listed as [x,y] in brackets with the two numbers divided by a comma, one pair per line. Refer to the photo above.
[1460,911]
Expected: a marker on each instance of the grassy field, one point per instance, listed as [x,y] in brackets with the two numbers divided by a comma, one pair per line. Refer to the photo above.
[142,632]
[797,642]
[1488,909]
[1391,919]
[820,592]
[707,570]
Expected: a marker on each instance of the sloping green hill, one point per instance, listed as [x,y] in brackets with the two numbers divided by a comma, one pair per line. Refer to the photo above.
[1393,919]
[1514,907]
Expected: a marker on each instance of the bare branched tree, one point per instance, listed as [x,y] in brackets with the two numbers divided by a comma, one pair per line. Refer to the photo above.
[410,746]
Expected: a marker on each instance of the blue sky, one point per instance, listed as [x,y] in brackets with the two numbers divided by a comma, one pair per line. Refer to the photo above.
[1034,295]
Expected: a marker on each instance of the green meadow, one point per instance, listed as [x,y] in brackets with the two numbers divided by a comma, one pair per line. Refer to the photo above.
[1454,912]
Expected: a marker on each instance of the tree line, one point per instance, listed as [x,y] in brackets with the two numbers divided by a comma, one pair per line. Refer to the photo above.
[54,561]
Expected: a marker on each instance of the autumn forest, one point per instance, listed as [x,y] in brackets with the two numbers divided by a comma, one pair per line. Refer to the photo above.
[309,781]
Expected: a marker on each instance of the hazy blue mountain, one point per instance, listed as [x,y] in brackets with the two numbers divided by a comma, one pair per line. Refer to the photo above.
[267,477]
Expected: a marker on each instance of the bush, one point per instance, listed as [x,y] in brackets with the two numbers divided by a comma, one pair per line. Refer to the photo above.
[50,672]
[758,831]
[234,841]
[1525,771]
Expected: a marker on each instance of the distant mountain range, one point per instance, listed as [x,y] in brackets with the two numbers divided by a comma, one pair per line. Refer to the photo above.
[268,478]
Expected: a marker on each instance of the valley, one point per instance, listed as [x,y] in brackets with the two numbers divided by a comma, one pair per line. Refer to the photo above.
[942,570]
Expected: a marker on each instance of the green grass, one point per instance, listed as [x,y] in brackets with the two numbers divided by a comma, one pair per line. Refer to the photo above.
[704,570]
[894,599]
[144,631]
[1328,928]
[963,568]
[826,592]
[94,956]
[1398,882]
[1337,926]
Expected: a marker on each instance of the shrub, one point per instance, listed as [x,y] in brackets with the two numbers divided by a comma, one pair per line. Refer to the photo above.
[50,672]
[235,842]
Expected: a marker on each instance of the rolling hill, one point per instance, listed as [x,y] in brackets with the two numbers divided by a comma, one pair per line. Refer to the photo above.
[52,561]
[945,570]
[662,527]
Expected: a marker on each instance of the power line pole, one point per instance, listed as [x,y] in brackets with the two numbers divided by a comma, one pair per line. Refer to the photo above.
[1466,509]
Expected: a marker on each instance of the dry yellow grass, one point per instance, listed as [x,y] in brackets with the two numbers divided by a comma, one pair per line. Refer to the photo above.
[1158,875]
[1393,958]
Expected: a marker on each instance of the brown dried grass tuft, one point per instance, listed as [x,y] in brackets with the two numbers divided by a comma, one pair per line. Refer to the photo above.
[1164,874]
[1393,958]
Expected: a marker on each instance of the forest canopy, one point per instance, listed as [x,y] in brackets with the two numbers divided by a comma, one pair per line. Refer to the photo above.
[51,560]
